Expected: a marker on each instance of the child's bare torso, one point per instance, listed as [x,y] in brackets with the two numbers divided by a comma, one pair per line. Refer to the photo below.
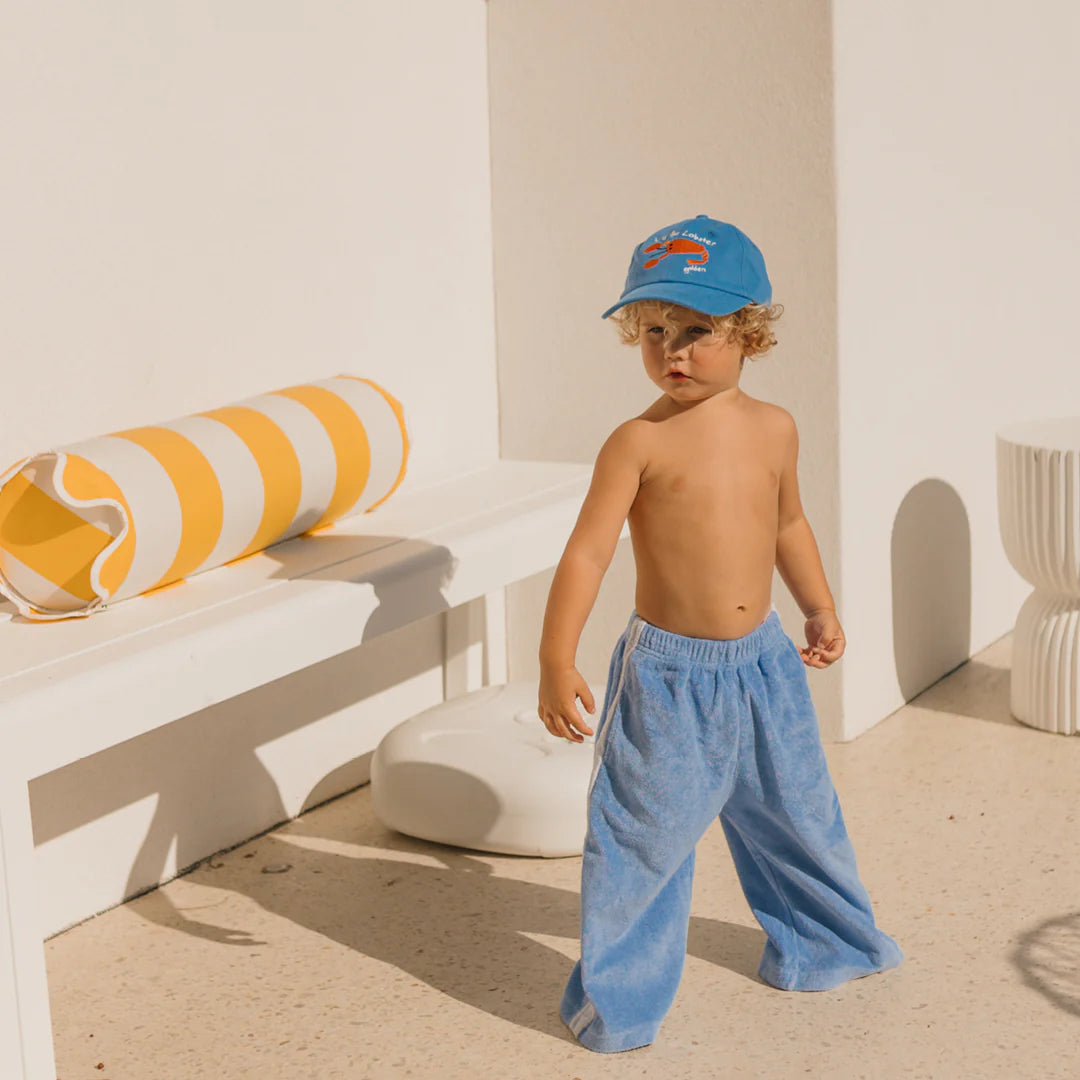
[703,525]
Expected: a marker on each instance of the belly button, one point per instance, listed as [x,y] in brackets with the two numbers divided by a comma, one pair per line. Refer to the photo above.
[742,607]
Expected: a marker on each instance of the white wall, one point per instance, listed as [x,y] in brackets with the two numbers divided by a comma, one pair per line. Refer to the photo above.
[610,119]
[958,166]
[201,202]
[213,200]
[921,231]
[208,200]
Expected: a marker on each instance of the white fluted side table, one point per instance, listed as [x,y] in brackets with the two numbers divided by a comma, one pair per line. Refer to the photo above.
[1038,481]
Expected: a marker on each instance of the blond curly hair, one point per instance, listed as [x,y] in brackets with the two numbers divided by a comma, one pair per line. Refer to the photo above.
[749,327]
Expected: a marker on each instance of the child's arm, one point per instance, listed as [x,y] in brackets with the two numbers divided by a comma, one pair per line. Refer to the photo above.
[588,553]
[799,562]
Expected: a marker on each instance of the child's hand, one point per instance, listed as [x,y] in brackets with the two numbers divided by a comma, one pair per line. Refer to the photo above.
[559,687]
[825,639]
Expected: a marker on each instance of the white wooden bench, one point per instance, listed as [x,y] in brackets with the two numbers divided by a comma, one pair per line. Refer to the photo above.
[73,688]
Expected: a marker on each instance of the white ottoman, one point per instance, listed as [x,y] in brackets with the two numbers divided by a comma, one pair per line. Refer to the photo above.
[482,771]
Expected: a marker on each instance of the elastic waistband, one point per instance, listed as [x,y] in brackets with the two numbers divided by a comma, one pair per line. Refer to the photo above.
[707,650]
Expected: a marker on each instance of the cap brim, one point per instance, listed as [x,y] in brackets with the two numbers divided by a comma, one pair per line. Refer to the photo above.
[701,298]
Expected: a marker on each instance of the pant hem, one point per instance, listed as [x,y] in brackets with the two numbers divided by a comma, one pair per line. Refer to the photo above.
[631,1039]
[822,981]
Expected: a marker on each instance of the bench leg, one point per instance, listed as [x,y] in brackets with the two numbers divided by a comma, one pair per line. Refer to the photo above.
[495,660]
[25,1023]
[475,651]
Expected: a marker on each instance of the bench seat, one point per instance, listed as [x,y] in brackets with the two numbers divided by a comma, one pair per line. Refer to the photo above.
[72,688]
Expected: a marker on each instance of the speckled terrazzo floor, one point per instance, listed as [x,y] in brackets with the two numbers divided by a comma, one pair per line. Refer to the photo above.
[377,955]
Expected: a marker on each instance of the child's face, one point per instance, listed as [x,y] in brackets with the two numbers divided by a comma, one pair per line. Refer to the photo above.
[687,361]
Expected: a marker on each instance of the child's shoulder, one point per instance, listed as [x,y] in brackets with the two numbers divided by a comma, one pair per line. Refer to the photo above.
[642,437]
[630,439]
[754,410]
[768,409]
[778,415]
[771,418]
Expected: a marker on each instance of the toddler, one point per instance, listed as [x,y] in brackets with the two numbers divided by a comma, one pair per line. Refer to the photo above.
[707,709]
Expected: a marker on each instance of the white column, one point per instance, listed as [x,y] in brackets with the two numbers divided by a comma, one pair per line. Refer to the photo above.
[1038,478]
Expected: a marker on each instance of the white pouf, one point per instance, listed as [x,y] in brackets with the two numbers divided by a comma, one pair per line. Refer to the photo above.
[482,771]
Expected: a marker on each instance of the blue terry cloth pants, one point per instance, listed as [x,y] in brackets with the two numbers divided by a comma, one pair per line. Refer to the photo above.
[692,728]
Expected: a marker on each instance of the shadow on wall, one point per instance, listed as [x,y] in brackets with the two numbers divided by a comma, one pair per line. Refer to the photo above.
[931,586]
[407,575]
[231,781]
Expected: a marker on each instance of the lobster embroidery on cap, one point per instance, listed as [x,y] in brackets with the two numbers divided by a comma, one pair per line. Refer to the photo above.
[677,247]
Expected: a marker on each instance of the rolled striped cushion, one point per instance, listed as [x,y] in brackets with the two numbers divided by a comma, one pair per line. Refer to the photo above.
[117,515]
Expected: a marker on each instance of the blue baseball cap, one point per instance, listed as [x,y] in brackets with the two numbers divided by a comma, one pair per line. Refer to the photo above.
[700,263]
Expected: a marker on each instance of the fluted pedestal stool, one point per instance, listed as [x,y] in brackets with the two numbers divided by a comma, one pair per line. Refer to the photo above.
[1038,478]
[481,771]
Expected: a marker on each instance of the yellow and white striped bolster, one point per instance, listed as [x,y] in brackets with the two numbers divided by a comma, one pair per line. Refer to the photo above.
[117,515]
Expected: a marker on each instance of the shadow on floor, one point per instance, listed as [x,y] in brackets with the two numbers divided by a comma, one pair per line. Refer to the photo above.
[1048,957]
[974,689]
[435,912]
